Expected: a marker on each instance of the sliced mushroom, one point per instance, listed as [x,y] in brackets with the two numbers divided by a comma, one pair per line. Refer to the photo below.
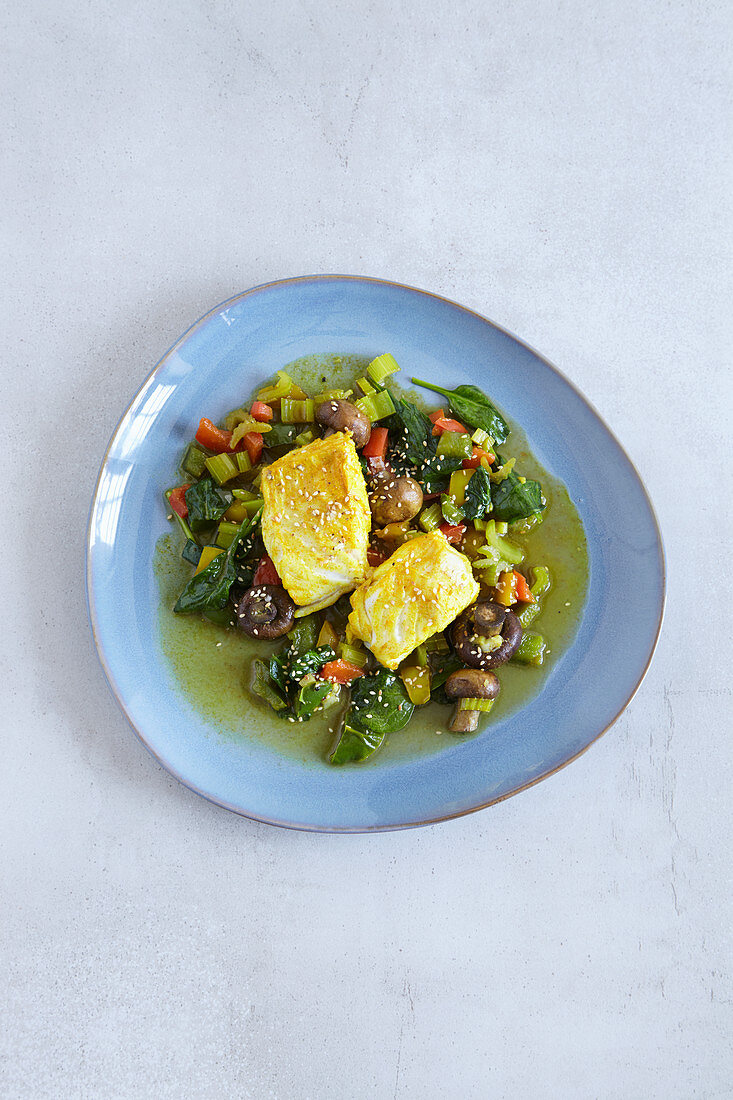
[395,499]
[342,416]
[475,631]
[469,683]
[265,611]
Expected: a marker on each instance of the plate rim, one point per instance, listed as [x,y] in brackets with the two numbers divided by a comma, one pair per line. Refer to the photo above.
[89,583]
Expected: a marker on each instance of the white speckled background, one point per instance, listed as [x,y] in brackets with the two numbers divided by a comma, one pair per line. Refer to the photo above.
[564,168]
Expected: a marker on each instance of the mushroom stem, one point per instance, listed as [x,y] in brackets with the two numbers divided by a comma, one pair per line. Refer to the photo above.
[463,721]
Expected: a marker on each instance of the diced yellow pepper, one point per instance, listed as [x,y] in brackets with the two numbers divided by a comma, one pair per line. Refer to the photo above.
[506,589]
[208,553]
[417,683]
[458,482]
[328,636]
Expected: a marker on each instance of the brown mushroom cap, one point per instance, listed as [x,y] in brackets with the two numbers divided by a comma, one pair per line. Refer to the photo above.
[481,621]
[395,499]
[265,611]
[472,683]
[342,416]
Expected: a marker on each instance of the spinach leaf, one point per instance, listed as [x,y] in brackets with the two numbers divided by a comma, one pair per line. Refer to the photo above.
[310,661]
[434,473]
[355,745]
[309,697]
[477,501]
[473,407]
[514,499]
[379,704]
[415,440]
[206,504]
[209,589]
[261,685]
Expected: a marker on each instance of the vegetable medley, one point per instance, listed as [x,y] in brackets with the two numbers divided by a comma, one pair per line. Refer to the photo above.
[385,546]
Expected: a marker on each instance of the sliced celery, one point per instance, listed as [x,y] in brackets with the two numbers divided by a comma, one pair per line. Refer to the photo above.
[381,368]
[482,439]
[226,533]
[503,472]
[304,438]
[194,460]
[437,644]
[243,461]
[222,468]
[297,412]
[243,494]
[455,445]
[365,386]
[354,654]
[236,416]
[483,705]
[332,395]
[376,405]
[281,388]
[431,517]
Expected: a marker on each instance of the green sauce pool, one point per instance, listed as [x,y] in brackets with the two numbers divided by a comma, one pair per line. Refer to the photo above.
[210,665]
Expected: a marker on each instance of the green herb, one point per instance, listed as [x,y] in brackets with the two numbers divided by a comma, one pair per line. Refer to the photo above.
[472,407]
[477,502]
[206,504]
[379,703]
[209,589]
[355,745]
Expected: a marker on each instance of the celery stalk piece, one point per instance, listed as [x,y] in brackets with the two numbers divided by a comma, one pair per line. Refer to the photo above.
[332,395]
[431,517]
[482,439]
[376,406]
[297,412]
[437,644]
[226,533]
[365,386]
[381,368]
[243,462]
[483,705]
[222,468]
[243,494]
[354,654]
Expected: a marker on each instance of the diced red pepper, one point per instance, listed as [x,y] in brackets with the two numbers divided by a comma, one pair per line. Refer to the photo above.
[376,445]
[445,424]
[437,415]
[266,573]
[253,445]
[214,439]
[454,533]
[524,592]
[375,556]
[177,500]
[262,412]
[475,460]
[340,671]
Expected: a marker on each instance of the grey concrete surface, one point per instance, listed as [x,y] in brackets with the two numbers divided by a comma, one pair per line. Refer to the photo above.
[564,168]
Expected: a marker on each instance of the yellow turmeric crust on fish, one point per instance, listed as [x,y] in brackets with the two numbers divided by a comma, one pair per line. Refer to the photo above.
[316,519]
[418,591]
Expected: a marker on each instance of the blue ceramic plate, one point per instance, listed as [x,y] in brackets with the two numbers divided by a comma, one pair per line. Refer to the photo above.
[229,352]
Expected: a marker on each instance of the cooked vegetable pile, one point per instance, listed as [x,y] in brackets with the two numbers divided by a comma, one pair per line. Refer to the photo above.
[385,545]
